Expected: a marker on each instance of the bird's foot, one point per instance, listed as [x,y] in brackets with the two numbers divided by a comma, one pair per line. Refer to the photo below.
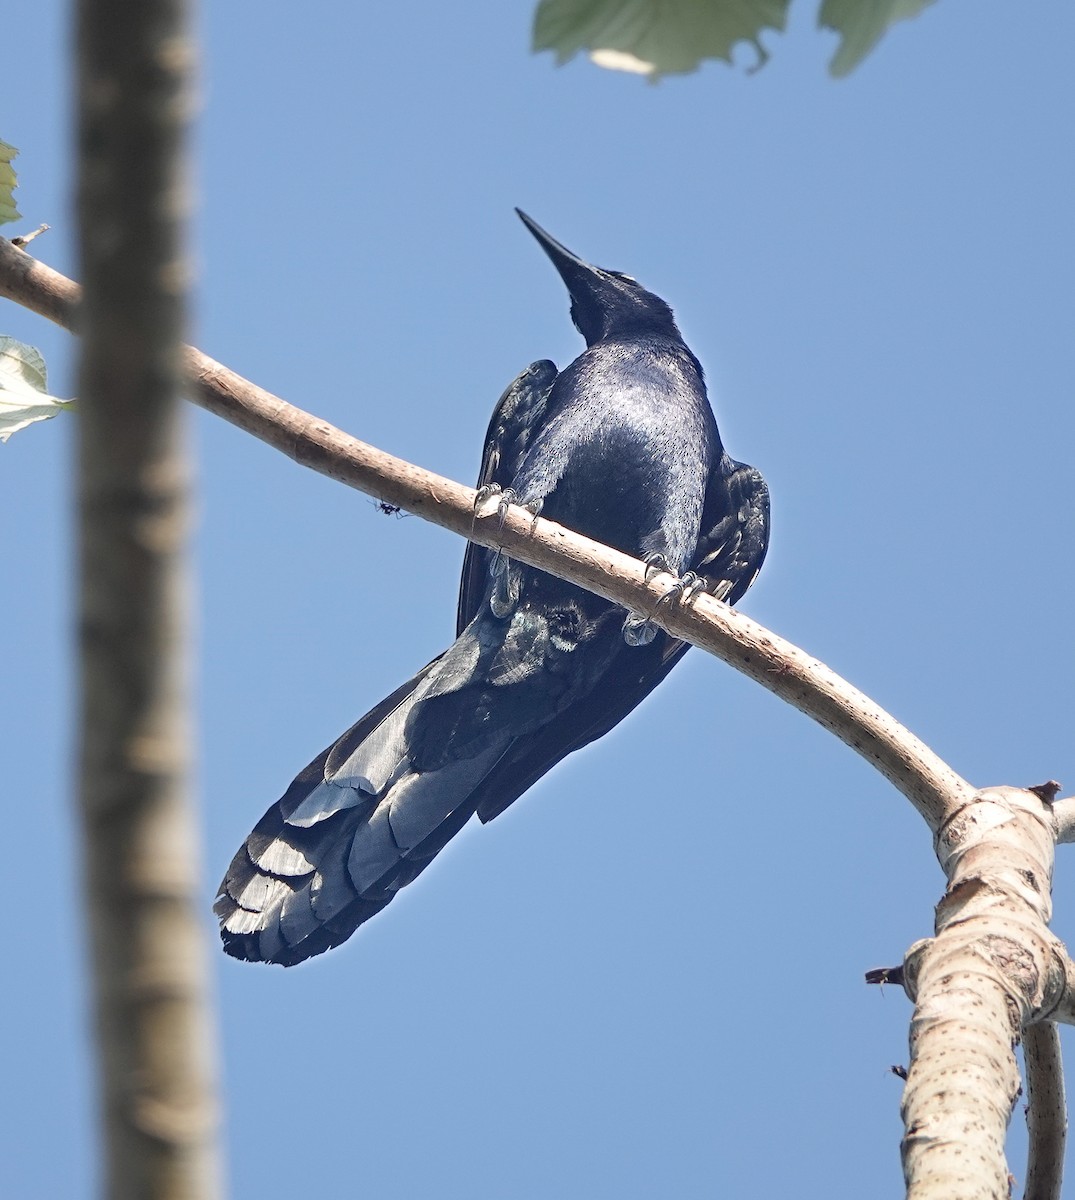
[534,507]
[506,497]
[655,564]
[684,589]
[639,630]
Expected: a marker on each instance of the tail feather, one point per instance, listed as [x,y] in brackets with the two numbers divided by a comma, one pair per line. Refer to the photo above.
[332,852]
[286,918]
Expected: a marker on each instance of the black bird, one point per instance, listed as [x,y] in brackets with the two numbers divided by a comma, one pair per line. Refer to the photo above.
[621,446]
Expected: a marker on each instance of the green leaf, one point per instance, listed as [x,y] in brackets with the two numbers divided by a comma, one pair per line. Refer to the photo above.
[654,37]
[861,24]
[23,383]
[8,211]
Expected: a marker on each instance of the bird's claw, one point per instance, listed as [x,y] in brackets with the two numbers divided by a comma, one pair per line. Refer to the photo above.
[639,630]
[504,594]
[534,507]
[486,492]
[684,589]
[481,496]
[506,497]
[655,564]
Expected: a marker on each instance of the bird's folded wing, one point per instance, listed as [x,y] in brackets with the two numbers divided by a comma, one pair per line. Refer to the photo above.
[518,414]
[735,529]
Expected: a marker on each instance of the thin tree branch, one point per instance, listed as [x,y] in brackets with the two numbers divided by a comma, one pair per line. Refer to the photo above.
[154,1035]
[1046,1113]
[1064,815]
[32,284]
[928,782]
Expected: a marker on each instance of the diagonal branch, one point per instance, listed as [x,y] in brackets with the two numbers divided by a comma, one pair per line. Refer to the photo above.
[924,778]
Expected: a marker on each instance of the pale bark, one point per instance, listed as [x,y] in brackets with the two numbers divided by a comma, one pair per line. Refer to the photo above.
[1046,1111]
[1064,816]
[994,968]
[155,1074]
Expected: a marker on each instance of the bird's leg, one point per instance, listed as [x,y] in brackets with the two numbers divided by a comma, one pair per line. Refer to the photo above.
[639,630]
[506,498]
[504,594]
[480,497]
[506,581]
[533,507]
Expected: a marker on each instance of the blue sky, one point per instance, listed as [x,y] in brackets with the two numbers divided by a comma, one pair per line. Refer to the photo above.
[645,979]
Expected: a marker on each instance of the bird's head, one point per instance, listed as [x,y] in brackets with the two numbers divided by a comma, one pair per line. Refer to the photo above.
[603,303]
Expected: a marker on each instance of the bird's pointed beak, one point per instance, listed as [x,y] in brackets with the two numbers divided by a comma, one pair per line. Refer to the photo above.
[581,278]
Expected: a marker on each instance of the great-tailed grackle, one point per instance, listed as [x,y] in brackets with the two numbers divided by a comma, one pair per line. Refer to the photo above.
[621,446]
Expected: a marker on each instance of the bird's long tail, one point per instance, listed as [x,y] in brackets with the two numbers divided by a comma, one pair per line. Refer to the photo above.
[470,732]
[363,819]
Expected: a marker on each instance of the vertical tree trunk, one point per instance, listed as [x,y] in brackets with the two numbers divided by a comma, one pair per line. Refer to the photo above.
[140,861]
